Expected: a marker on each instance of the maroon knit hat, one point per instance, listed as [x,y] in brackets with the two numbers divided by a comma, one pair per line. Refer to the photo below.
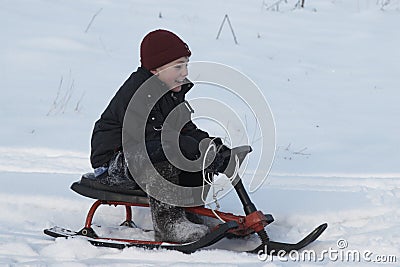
[160,47]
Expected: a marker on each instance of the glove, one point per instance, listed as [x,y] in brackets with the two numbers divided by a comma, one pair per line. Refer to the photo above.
[217,141]
[219,145]
[221,160]
[217,165]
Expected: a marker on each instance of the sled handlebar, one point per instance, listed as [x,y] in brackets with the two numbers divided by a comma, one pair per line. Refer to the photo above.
[239,154]
[257,218]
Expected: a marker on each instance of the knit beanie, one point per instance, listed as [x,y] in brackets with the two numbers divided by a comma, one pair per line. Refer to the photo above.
[160,47]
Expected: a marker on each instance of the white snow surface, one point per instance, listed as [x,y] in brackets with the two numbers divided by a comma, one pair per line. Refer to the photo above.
[330,73]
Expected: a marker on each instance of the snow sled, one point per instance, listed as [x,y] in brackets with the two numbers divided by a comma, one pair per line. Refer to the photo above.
[253,222]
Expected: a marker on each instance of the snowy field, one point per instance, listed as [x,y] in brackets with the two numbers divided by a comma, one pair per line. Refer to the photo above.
[330,73]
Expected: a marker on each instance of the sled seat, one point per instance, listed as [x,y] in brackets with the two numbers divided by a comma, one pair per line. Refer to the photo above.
[88,186]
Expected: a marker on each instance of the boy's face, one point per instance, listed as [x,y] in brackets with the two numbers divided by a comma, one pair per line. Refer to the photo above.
[173,74]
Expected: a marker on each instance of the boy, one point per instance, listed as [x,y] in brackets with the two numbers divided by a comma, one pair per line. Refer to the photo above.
[164,55]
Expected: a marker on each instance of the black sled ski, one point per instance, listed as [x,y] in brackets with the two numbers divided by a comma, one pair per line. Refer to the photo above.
[205,241]
[275,248]
[271,247]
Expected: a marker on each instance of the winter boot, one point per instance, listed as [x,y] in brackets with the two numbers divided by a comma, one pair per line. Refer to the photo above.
[171,225]
[117,177]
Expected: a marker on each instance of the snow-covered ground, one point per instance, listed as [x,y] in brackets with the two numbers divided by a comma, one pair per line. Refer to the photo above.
[330,73]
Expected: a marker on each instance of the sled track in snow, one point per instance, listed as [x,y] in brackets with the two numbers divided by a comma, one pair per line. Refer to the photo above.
[43,160]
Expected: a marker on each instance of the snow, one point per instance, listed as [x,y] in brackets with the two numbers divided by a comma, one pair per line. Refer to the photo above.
[330,73]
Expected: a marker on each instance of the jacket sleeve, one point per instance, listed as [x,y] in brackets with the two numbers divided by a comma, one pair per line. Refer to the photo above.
[190,129]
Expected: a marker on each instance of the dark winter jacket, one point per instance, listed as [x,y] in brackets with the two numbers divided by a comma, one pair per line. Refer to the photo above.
[107,133]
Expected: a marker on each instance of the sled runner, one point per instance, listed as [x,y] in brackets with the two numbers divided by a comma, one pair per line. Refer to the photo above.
[235,225]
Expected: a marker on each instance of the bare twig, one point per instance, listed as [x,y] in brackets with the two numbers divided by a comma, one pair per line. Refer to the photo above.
[274,6]
[67,97]
[288,147]
[300,152]
[91,21]
[55,101]
[383,3]
[78,106]
[300,3]
[226,18]
[63,96]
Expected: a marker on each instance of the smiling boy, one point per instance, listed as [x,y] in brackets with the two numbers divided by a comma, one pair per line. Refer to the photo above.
[165,56]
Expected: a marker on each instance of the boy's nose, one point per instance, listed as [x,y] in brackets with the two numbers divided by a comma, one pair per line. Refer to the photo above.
[184,72]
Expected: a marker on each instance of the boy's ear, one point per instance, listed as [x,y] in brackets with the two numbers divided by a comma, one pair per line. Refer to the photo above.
[154,71]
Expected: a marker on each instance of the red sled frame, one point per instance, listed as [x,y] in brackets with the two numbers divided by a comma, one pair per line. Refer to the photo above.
[247,225]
